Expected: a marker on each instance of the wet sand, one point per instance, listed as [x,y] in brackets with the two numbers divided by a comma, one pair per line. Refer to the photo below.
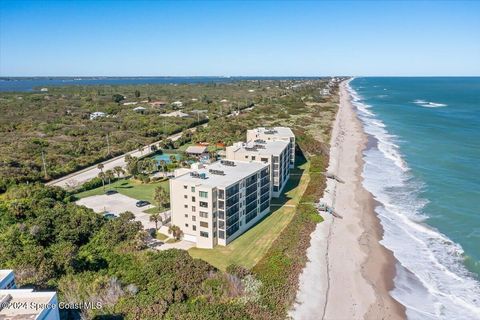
[349,273]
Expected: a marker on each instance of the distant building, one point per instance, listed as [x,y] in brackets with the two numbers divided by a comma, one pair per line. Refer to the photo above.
[139,109]
[197,151]
[44,90]
[177,104]
[158,103]
[96,115]
[275,134]
[7,279]
[215,203]
[275,153]
[25,303]
[178,114]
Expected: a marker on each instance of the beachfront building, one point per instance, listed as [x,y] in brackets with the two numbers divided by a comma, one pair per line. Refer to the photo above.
[7,279]
[215,203]
[275,134]
[25,303]
[275,153]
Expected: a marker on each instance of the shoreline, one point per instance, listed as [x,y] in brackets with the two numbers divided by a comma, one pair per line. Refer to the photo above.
[349,273]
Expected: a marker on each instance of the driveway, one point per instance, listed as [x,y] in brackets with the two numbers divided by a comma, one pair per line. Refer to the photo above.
[118,203]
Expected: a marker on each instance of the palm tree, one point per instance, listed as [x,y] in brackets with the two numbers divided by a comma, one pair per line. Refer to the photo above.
[109,175]
[163,164]
[155,217]
[161,197]
[118,171]
[173,159]
[175,231]
[101,175]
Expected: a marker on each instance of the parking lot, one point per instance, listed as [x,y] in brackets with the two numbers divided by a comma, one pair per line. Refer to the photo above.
[118,203]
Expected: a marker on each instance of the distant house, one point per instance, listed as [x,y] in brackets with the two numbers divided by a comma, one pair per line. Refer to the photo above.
[178,114]
[224,101]
[132,103]
[97,114]
[158,103]
[196,151]
[177,104]
[251,90]
[44,90]
[194,99]
[139,109]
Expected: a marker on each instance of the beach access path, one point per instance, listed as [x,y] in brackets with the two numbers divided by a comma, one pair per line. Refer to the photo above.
[349,273]
[76,179]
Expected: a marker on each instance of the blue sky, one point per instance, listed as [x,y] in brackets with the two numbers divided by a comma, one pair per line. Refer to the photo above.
[126,38]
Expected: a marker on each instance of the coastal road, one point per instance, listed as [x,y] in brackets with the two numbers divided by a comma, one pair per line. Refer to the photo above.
[78,178]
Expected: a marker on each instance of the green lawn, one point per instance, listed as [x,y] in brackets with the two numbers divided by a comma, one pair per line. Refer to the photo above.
[250,247]
[129,187]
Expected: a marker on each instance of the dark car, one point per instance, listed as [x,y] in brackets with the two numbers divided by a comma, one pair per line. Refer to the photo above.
[142,203]
[109,215]
[110,192]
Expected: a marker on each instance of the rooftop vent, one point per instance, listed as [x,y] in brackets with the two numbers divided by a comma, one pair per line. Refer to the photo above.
[260,141]
[228,163]
[217,172]
[195,174]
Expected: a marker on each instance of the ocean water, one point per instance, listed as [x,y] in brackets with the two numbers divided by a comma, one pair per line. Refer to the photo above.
[422,165]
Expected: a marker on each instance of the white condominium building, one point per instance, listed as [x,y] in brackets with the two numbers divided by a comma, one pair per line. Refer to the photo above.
[275,134]
[215,203]
[275,153]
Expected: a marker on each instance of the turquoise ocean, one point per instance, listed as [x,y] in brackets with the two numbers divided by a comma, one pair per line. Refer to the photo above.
[422,165]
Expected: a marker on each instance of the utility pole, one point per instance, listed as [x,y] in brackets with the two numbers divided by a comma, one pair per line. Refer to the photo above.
[108,145]
[198,117]
[44,165]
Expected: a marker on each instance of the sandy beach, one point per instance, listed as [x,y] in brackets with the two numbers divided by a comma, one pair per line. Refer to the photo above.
[349,274]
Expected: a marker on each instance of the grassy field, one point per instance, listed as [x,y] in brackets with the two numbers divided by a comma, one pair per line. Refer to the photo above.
[129,187]
[250,247]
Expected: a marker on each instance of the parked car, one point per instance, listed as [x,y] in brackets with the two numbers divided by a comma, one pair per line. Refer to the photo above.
[142,203]
[110,215]
[110,192]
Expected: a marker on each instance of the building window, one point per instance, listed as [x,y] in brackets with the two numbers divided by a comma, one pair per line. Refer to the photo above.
[203,224]
[203,204]
[203,214]
[221,194]
[185,187]
[221,214]
[203,194]
[221,204]
[186,216]
[264,159]
[253,157]
[193,189]
[186,224]
[221,234]
[193,208]
[193,199]
[246,157]
[185,206]
[185,196]
[204,234]
[194,218]
[194,228]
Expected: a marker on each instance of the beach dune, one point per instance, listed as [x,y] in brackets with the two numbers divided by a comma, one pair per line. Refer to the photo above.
[349,273]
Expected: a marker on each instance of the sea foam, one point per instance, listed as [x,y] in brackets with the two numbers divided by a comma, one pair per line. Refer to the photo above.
[429,104]
[431,280]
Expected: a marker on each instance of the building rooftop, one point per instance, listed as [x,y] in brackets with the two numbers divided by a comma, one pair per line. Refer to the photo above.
[279,131]
[260,147]
[28,304]
[4,274]
[196,149]
[221,173]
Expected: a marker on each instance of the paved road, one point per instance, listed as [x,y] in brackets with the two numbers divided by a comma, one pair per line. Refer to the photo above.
[78,178]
